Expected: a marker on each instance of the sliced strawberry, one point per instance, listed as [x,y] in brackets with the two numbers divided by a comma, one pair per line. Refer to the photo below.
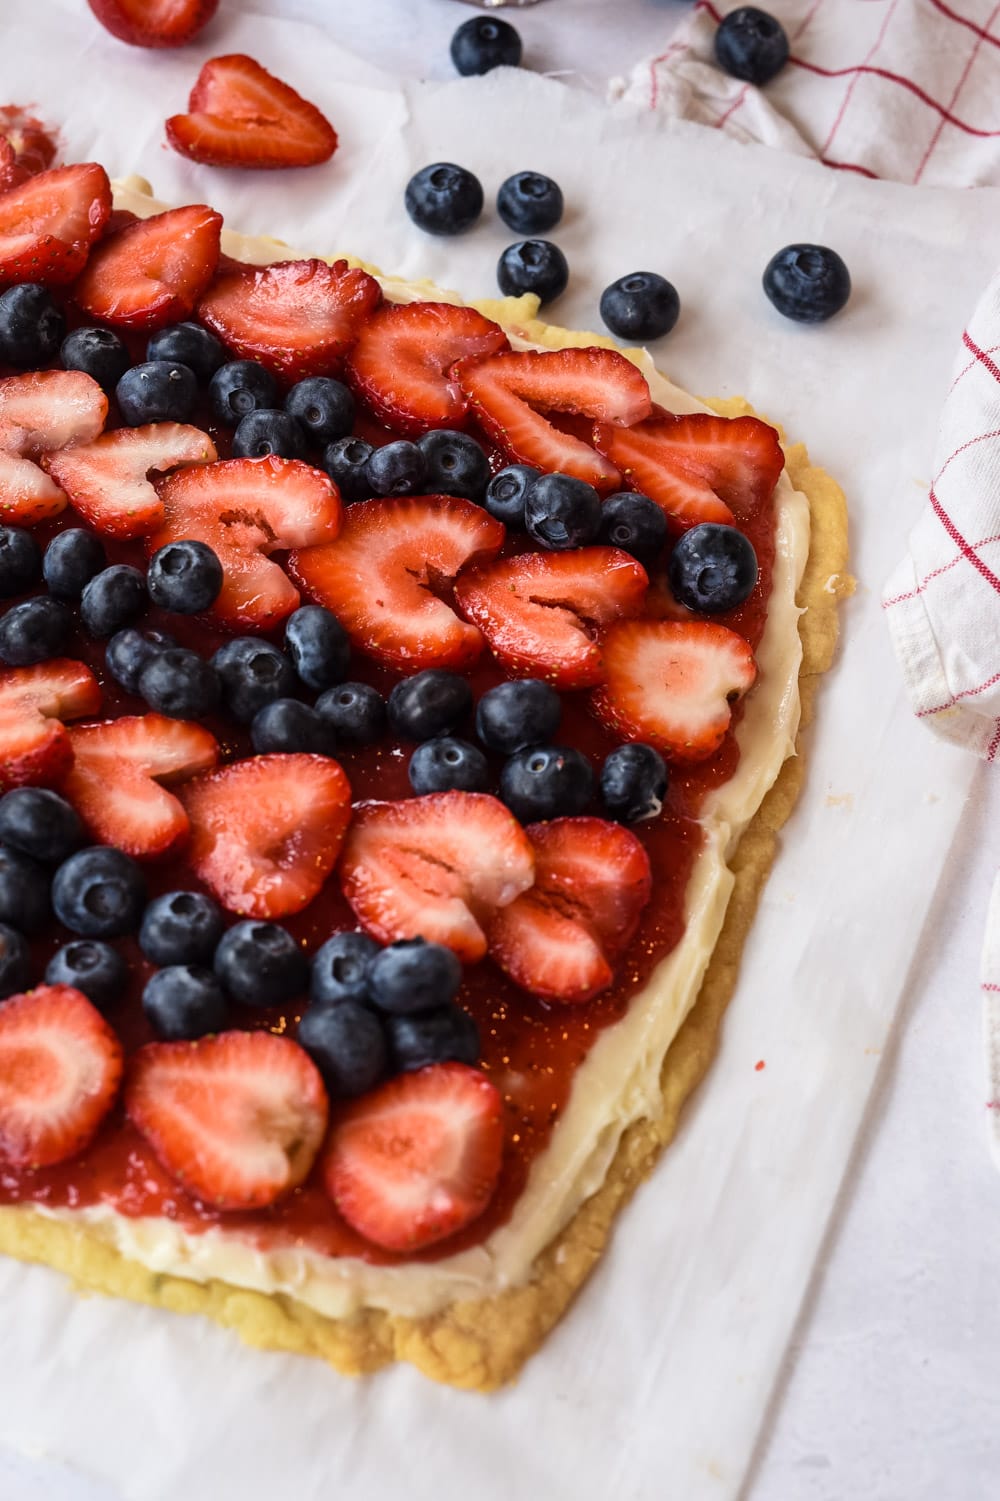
[240,115]
[114,782]
[384,575]
[11,174]
[399,366]
[49,222]
[508,393]
[698,467]
[265,833]
[47,409]
[152,273]
[154,23]
[27,495]
[673,684]
[60,1068]
[35,748]
[107,480]
[298,318]
[435,867]
[560,939]
[417,1159]
[237,1119]
[541,612]
[33,145]
[245,509]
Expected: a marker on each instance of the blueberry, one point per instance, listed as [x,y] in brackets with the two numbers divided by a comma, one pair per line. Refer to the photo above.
[514,715]
[356,711]
[346,462]
[158,391]
[113,599]
[347,1044]
[188,344]
[456,465]
[323,407]
[530,203]
[633,783]
[287,725]
[446,764]
[339,970]
[635,524]
[180,684]
[751,45]
[99,353]
[432,702]
[318,646]
[413,975]
[561,512]
[129,650]
[641,306]
[260,964]
[535,266]
[712,568]
[24,892]
[15,962]
[267,431]
[506,491]
[252,673]
[808,283]
[444,199]
[446,1034]
[184,577]
[99,893]
[184,1002]
[34,631]
[546,781]
[31,325]
[40,823]
[71,560]
[20,561]
[484,43]
[397,468]
[95,968]
[240,387]
[181,927]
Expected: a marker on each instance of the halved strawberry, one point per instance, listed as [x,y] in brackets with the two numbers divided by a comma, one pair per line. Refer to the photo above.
[265,833]
[115,780]
[435,867]
[27,495]
[298,318]
[541,612]
[237,1119]
[399,366]
[508,393]
[384,575]
[49,222]
[240,115]
[43,410]
[418,1158]
[152,273]
[245,509]
[673,684]
[560,940]
[107,480]
[154,23]
[698,467]
[60,1068]
[35,748]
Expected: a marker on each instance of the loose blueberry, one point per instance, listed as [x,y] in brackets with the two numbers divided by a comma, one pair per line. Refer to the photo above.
[635,524]
[443,199]
[514,715]
[455,464]
[530,203]
[20,561]
[252,673]
[24,892]
[184,1002]
[40,823]
[99,353]
[561,512]
[31,325]
[535,266]
[339,970]
[188,344]
[268,431]
[808,283]
[99,893]
[318,646]
[289,726]
[446,764]
[484,43]
[34,631]
[347,1044]
[346,462]
[633,783]
[413,975]
[184,577]
[240,387]
[446,1034]
[546,781]
[15,962]
[71,560]
[159,391]
[751,45]
[260,964]
[396,469]
[506,491]
[128,652]
[356,711]
[323,407]
[181,927]
[432,702]
[640,306]
[113,599]
[180,684]
[712,568]
[95,968]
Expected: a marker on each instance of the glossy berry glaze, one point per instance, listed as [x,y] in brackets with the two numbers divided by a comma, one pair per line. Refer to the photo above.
[529,1048]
